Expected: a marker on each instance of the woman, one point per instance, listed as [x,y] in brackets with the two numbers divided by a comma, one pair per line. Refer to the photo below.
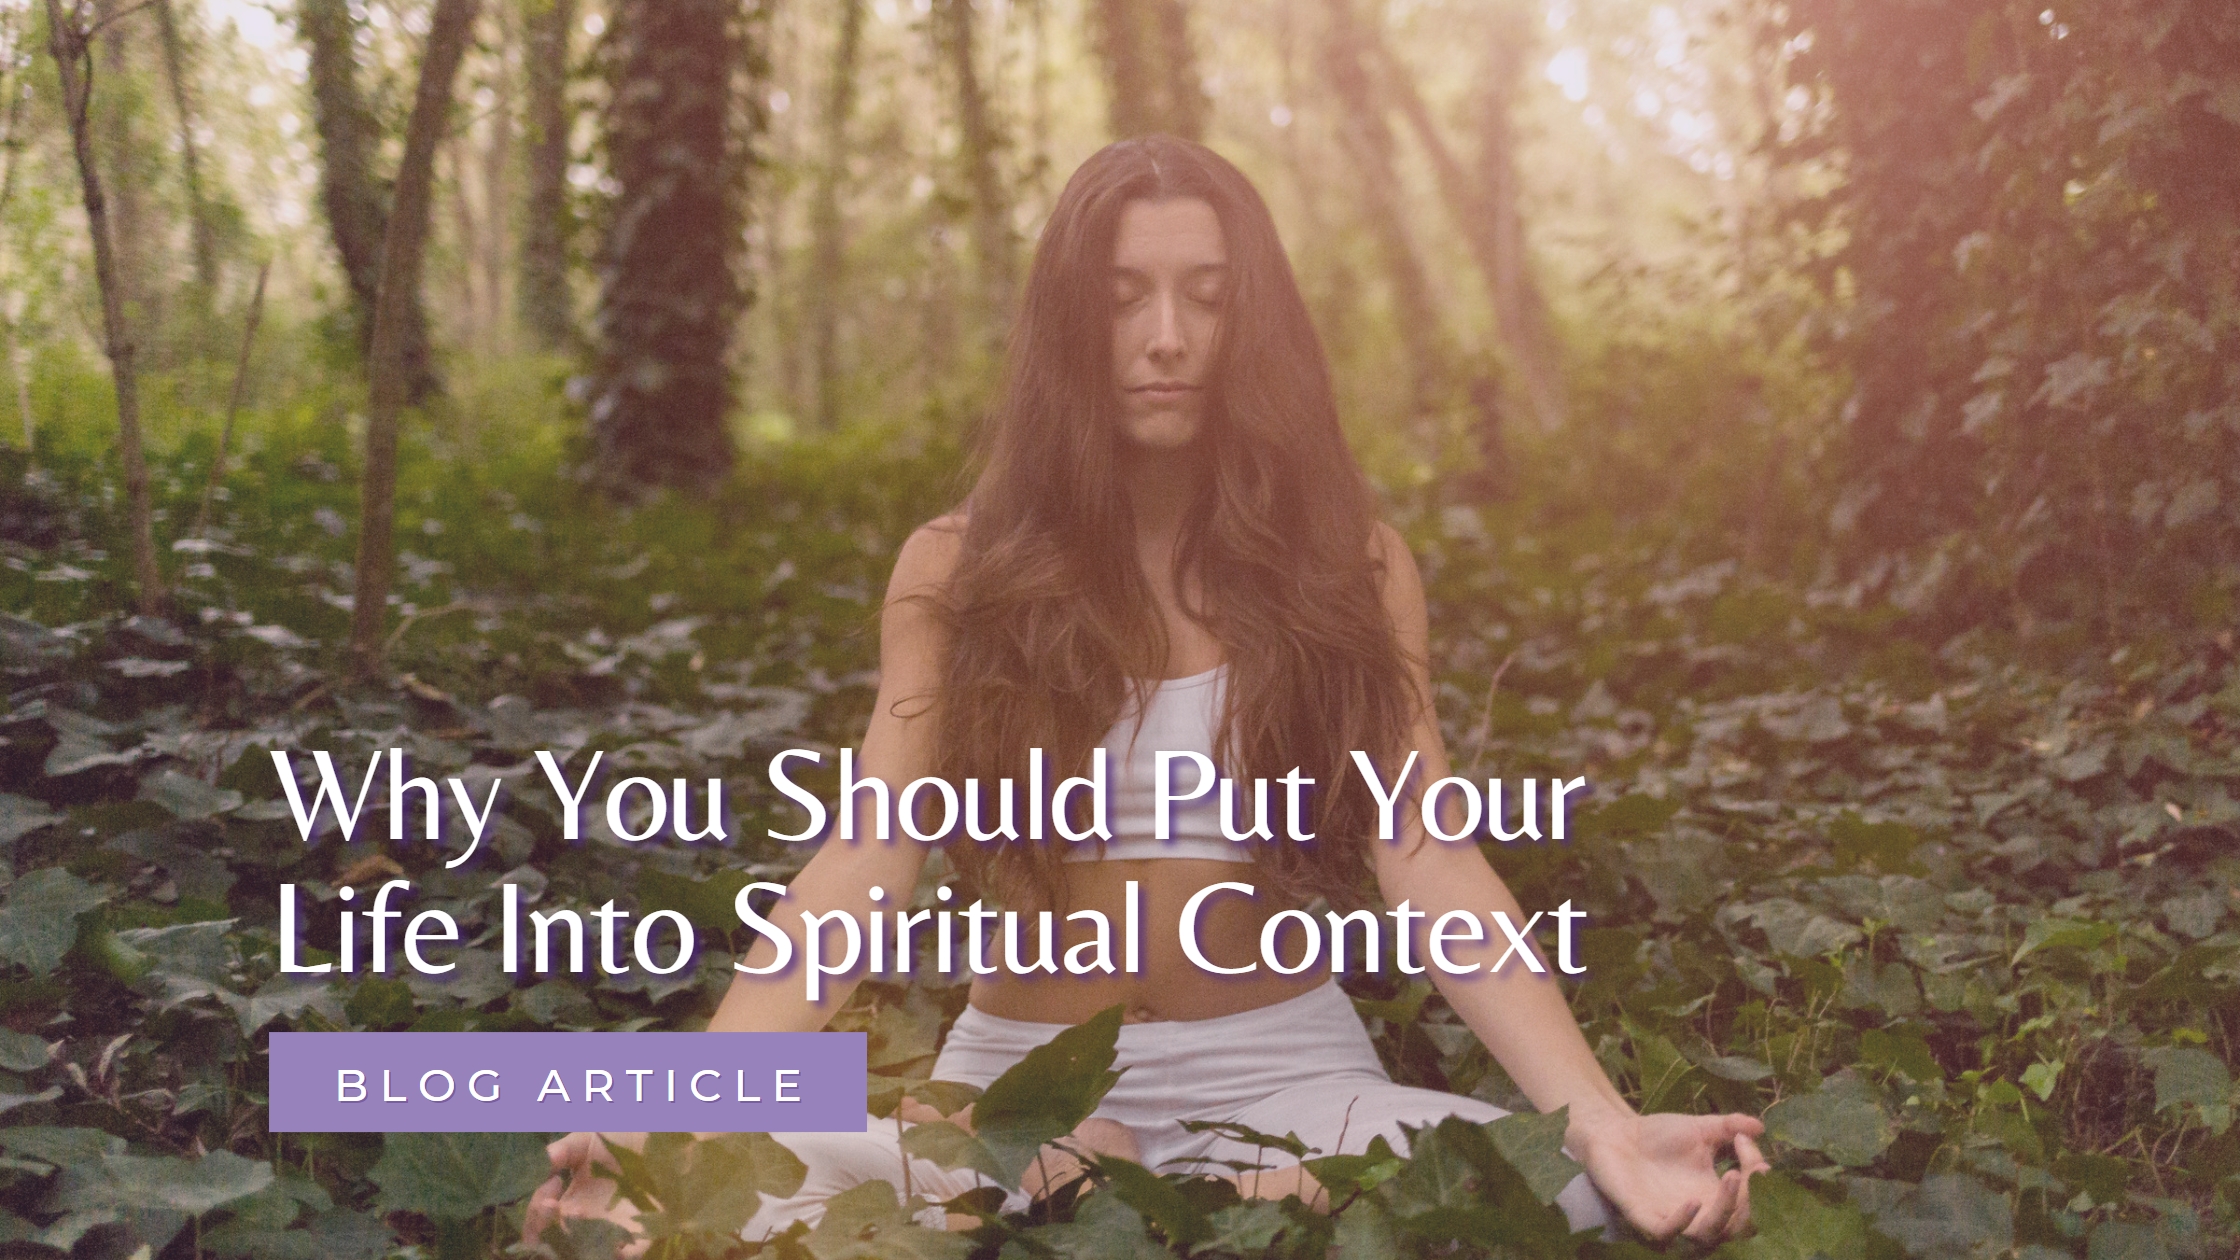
[1171,549]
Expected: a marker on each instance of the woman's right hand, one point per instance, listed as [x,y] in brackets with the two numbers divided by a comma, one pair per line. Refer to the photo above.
[582,1187]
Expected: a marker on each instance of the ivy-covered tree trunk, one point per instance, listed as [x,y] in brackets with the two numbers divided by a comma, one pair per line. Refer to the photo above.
[1151,70]
[547,308]
[397,296]
[356,201]
[668,295]
[827,226]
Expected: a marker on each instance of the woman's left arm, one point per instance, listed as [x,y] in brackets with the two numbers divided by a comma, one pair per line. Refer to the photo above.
[1659,1170]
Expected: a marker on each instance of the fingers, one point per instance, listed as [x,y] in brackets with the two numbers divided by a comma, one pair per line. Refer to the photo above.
[1710,1224]
[1739,1223]
[1747,1154]
[913,1111]
[1665,1229]
[544,1207]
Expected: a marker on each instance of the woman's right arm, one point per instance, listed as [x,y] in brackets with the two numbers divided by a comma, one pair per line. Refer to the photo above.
[897,748]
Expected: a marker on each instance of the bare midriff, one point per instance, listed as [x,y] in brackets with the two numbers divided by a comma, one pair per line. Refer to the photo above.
[1170,986]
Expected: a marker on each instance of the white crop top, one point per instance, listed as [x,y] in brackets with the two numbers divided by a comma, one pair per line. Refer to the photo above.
[1180,714]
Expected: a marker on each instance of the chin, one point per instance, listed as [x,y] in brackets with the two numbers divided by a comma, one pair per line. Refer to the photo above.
[1163,431]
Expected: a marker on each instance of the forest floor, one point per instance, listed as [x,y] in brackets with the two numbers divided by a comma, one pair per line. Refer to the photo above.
[1962,930]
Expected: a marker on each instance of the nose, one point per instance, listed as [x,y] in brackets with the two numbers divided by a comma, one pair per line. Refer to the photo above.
[1167,344]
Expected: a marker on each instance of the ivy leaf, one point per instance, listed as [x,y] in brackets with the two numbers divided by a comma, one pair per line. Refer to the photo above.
[1046,1094]
[21,1052]
[187,797]
[711,1188]
[1158,1200]
[1947,1217]
[159,1182]
[951,1147]
[39,922]
[1794,1224]
[1533,1145]
[2188,1076]
[1843,1120]
[20,816]
[456,1175]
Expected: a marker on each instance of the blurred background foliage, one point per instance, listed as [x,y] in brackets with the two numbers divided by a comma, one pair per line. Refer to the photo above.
[1818,421]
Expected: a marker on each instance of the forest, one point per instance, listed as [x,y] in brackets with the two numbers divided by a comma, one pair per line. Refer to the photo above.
[1817,423]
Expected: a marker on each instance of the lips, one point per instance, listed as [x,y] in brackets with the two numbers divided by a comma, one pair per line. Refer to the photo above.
[1163,391]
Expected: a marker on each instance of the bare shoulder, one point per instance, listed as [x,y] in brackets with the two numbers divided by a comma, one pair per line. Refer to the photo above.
[927,559]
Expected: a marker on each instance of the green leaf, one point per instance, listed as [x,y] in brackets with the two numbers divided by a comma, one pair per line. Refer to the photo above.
[2063,934]
[1343,1175]
[1794,1224]
[1103,1228]
[1947,1217]
[1901,1051]
[950,1147]
[1288,1144]
[710,1188]
[1248,1228]
[2041,1077]
[1046,1094]
[2121,1240]
[2188,1076]
[160,1182]
[1843,1120]
[452,1175]
[20,816]
[1158,1200]
[188,797]
[21,1052]
[39,922]
[1533,1145]
[55,1146]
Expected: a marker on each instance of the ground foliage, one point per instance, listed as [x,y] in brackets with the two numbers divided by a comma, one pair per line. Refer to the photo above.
[1960,927]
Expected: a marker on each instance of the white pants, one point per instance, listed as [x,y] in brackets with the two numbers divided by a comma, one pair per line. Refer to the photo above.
[1303,1066]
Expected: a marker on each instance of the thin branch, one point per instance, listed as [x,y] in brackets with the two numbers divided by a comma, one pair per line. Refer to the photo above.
[233,403]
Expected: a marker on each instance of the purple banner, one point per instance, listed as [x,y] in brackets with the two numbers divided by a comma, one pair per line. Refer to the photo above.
[558,1082]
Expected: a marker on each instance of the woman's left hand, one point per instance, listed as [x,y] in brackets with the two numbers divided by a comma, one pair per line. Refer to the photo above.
[1661,1171]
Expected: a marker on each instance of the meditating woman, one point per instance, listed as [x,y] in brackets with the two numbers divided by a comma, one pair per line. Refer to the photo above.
[1170,549]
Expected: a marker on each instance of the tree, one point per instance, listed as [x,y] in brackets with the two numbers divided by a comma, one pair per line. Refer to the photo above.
[1368,144]
[991,208]
[70,40]
[1151,71]
[547,306]
[668,293]
[201,236]
[355,199]
[1487,205]
[826,225]
[2038,226]
[389,387]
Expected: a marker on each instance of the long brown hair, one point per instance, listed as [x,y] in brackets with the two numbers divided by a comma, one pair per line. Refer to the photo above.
[1053,624]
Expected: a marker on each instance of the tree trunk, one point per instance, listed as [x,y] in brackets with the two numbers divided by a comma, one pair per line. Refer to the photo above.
[356,202]
[1186,101]
[1151,74]
[497,167]
[991,209]
[389,386]
[547,308]
[204,241]
[126,160]
[668,293]
[827,225]
[1486,207]
[67,40]
[1367,142]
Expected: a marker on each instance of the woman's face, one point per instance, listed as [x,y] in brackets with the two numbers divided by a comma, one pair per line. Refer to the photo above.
[1170,281]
